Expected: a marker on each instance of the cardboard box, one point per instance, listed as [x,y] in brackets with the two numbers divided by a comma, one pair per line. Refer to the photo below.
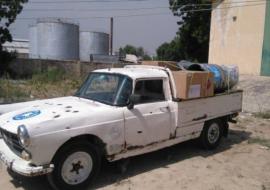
[193,84]
[169,64]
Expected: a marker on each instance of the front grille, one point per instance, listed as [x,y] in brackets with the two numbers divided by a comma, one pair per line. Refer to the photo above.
[12,141]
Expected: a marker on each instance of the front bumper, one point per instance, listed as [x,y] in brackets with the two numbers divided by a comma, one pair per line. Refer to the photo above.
[20,166]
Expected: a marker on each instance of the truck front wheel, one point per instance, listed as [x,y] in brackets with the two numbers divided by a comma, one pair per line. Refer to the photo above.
[211,134]
[76,165]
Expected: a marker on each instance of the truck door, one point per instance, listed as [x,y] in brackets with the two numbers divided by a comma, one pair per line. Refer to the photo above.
[150,119]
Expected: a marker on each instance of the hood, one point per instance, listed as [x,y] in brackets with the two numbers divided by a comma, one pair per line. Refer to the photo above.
[48,112]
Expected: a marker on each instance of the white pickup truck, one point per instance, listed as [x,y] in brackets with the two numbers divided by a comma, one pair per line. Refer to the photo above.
[116,114]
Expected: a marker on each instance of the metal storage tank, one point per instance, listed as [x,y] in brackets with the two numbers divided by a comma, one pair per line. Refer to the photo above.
[33,52]
[57,39]
[96,43]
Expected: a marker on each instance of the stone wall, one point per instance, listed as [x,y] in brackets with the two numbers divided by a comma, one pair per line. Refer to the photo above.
[27,67]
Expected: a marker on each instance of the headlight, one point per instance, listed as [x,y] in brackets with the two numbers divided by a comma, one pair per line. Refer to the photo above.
[23,136]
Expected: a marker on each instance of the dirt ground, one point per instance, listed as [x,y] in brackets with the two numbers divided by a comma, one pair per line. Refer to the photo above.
[241,162]
[256,93]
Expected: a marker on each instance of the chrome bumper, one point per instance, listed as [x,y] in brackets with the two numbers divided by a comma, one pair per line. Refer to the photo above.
[20,166]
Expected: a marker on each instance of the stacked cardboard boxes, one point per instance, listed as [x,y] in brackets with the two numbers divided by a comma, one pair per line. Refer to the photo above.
[193,84]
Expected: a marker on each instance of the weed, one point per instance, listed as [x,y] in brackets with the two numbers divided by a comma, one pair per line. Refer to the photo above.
[263,142]
[11,91]
[263,115]
[49,84]
[51,76]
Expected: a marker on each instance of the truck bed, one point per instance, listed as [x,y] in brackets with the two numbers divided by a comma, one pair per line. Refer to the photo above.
[203,109]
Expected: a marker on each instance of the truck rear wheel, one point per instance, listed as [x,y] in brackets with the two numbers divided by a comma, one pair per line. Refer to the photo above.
[76,165]
[211,134]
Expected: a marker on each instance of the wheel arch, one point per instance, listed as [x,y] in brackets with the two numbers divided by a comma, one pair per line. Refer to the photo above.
[88,138]
[86,142]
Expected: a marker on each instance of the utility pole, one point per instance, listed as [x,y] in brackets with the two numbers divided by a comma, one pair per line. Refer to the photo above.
[111,37]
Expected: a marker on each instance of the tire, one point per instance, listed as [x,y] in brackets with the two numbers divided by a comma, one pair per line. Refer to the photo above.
[75,167]
[211,134]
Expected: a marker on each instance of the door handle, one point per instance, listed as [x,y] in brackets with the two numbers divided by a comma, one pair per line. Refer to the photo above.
[164,109]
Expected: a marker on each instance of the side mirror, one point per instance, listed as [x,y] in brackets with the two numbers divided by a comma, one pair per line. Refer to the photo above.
[133,99]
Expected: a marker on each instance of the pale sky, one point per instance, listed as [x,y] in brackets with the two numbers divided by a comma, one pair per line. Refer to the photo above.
[147,31]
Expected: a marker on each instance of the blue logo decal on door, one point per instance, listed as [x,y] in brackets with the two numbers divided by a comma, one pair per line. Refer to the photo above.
[27,115]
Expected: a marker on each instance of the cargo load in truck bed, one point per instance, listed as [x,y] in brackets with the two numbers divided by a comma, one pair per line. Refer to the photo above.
[193,84]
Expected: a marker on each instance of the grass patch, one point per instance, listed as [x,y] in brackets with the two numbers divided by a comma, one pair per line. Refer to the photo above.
[51,76]
[50,84]
[263,142]
[263,115]
[13,92]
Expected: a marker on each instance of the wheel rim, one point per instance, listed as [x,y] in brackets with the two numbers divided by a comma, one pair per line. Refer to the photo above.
[213,133]
[77,168]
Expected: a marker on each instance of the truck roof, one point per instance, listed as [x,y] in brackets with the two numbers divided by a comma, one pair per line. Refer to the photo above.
[135,72]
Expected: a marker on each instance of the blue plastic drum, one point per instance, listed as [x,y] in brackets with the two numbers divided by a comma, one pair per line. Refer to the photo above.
[225,77]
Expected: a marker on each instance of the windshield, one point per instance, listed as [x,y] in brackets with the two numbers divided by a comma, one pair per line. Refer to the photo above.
[112,89]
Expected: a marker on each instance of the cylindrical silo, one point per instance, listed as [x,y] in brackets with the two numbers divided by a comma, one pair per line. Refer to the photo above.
[95,43]
[33,49]
[57,40]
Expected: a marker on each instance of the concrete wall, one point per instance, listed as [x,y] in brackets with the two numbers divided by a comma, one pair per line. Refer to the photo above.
[237,35]
[27,67]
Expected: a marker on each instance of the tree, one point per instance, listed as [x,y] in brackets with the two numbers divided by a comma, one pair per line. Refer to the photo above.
[170,51]
[138,51]
[128,49]
[9,9]
[192,41]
